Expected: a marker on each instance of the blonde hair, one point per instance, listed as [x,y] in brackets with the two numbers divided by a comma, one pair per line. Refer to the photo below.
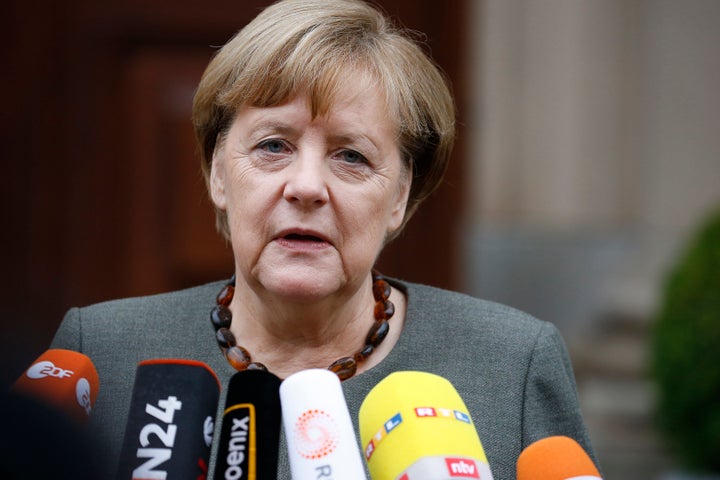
[311,47]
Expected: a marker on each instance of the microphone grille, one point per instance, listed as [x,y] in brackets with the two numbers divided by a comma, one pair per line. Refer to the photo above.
[555,458]
[64,379]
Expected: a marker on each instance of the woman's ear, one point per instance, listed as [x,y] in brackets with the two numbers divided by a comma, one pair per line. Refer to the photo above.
[217,178]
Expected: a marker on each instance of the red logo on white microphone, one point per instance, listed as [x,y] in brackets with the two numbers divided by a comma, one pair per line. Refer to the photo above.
[462,468]
[316,434]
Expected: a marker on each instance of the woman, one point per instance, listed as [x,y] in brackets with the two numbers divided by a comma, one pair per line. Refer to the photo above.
[322,127]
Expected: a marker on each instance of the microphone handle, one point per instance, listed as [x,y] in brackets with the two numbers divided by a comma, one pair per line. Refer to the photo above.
[170,424]
[250,432]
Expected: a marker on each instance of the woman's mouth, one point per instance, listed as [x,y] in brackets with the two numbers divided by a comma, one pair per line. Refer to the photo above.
[303,238]
[303,241]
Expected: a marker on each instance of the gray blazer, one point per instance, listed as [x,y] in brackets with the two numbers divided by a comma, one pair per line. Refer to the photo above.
[512,371]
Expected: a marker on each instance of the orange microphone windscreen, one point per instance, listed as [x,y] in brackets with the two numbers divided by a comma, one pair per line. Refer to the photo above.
[556,458]
[64,379]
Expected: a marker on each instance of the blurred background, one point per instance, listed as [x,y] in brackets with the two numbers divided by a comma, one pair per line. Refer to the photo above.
[588,157]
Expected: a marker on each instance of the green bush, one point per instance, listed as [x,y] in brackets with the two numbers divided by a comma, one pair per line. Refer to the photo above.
[686,352]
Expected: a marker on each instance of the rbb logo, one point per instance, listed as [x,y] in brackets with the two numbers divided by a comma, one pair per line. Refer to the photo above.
[463,468]
[47,369]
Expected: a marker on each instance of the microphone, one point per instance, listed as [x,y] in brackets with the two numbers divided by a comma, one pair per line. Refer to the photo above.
[415,426]
[250,432]
[63,379]
[170,424]
[321,440]
[50,402]
[556,458]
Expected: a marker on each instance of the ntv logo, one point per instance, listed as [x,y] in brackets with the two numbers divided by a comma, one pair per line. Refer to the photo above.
[47,369]
[462,468]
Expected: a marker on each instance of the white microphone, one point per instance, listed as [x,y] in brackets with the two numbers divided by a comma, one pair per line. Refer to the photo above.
[321,440]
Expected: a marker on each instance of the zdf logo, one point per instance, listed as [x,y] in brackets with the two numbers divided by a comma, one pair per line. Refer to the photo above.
[47,369]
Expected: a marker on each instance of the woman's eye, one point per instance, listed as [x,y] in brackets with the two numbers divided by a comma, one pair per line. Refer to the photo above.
[272,146]
[351,156]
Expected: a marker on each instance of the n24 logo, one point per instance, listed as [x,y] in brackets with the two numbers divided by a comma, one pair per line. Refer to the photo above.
[156,455]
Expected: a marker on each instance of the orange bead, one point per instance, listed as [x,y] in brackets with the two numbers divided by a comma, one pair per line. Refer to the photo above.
[226,295]
[384,310]
[225,338]
[344,368]
[221,317]
[364,353]
[381,289]
[377,333]
[238,357]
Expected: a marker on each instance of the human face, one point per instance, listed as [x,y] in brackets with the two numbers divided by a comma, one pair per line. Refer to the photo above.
[310,201]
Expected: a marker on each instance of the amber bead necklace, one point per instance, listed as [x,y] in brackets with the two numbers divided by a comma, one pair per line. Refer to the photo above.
[344,368]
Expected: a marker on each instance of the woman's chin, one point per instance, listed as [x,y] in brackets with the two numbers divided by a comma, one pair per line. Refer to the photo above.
[304,286]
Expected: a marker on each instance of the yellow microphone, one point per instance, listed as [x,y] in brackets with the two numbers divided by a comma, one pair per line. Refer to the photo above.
[415,426]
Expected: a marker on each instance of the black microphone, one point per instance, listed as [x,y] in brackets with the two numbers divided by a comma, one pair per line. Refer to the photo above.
[170,425]
[250,432]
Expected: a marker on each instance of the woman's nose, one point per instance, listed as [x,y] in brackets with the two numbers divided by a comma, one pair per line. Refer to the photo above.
[306,183]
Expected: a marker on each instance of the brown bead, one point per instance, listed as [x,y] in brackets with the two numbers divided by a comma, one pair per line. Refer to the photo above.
[377,333]
[225,338]
[384,310]
[364,353]
[226,295]
[221,317]
[257,366]
[238,357]
[344,368]
[381,290]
